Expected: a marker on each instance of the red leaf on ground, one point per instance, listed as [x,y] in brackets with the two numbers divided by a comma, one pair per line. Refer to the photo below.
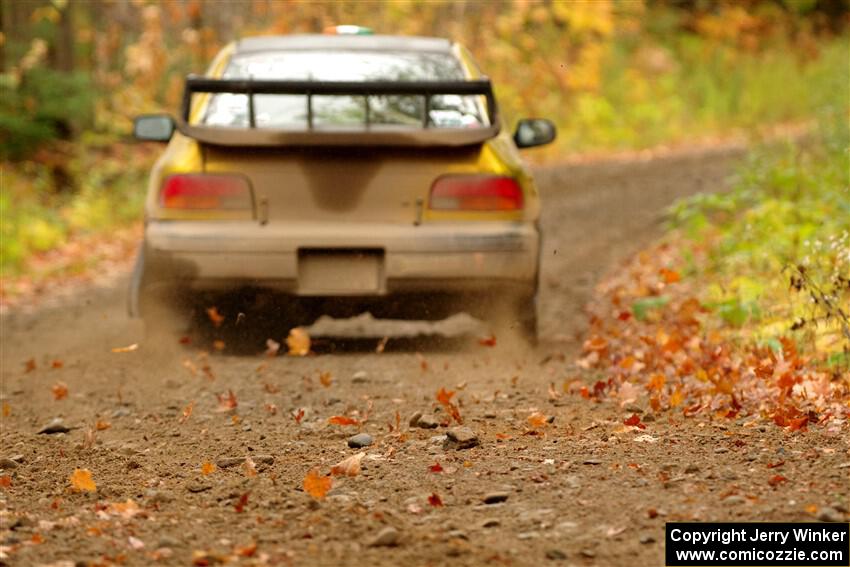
[775,465]
[243,500]
[436,468]
[669,276]
[60,391]
[634,421]
[342,420]
[435,500]
[298,415]
[487,341]
[776,480]
[5,481]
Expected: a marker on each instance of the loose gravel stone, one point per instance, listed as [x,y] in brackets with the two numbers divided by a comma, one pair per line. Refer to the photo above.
[359,440]
[360,377]
[6,464]
[427,421]
[491,523]
[495,497]
[555,555]
[460,438]
[55,426]
[387,537]
[227,462]
[414,419]
[829,514]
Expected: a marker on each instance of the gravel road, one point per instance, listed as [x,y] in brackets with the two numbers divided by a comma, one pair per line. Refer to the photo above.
[581,490]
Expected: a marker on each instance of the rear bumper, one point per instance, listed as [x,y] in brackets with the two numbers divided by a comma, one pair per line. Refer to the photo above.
[444,257]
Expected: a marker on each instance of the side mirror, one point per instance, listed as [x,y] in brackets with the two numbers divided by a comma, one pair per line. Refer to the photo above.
[531,132]
[153,127]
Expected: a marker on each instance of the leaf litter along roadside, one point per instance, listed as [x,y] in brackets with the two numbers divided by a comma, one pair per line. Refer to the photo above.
[649,344]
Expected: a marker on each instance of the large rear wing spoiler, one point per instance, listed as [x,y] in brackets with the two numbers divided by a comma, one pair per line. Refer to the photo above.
[366,134]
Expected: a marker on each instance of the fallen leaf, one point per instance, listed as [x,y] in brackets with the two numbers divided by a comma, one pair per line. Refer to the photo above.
[669,276]
[272,346]
[298,342]
[444,396]
[29,366]
[101,425]
[128,348]
[634,421]
[271,409]
[326,379]
[207,468]
[126,510]
[226,402]
[487,341]
[349,466]
[298,415]
[435,500]
[436,468]
[342,420]
[37,539]
[775,465]
[5,481]
[219,345]
[187,412]
[57,364]
[246,550]
[537,420]
[249,467]
[382,344]
[60,391]
[243,501]
[7,409]
[317,486]
[216,317]
[776,480]
[81,480]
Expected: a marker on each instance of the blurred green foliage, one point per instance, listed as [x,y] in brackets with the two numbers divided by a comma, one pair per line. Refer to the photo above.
[787,216]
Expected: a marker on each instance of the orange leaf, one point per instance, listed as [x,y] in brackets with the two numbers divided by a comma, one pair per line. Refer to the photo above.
[226,402]
[656,382]
[187,411]
[669,276]
[250,467]
[445,396]
[341,420]
[326,379]
[219,345]
[57,364]
[81,480]
[435,500]
[537,420]
[298,342]
[487,341]
[29,365]
[207,468]
[216,317]
[5,481]
[7,409]
[101,425]
[676,398]
[317,486]
[349,466]
[246,550]
[243,500]
[60,391]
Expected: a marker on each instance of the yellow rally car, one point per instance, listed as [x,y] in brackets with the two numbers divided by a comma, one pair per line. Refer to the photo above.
[348,173]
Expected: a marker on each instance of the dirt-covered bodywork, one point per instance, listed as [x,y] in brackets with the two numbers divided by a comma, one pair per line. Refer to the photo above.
[370,168]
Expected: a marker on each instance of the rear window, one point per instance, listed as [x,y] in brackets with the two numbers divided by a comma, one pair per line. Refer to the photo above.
[290,111]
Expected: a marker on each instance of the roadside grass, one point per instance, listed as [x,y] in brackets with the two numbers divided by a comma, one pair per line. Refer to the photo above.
[35,221]
[772,256]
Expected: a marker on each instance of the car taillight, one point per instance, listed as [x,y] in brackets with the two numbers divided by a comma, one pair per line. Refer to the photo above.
[475,193]
[200,191]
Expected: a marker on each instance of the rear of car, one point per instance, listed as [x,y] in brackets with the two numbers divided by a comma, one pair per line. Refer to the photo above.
[370,168]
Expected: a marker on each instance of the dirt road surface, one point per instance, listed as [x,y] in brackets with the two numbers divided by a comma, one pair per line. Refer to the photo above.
[581,490]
